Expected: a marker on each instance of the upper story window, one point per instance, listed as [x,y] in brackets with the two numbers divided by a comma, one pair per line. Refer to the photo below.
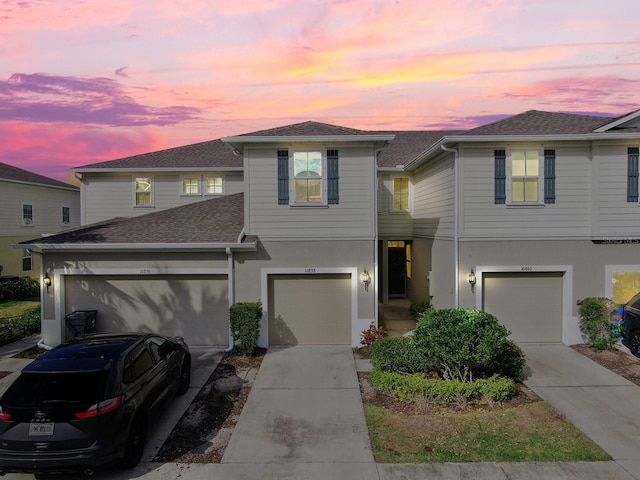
[524,177]
[66,215]
[27,214]
[190,185]
[143,189]
[401,193]
[213,185]
[311,178]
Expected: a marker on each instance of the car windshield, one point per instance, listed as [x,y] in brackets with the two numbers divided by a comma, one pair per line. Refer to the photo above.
[39,390]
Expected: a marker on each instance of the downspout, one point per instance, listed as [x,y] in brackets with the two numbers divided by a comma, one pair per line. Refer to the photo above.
[456,239]
[376,253]
[41,343]
[82,199]
[231,280]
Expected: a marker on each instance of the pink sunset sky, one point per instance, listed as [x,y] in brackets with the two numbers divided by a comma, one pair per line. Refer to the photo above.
[84,81]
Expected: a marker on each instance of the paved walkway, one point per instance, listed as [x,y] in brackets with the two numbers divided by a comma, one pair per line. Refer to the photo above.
[304,420]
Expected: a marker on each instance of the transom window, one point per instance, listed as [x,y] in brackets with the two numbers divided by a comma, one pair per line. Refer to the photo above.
[525,176]
[143,191]
[27,214]
[401,193]
[307,173]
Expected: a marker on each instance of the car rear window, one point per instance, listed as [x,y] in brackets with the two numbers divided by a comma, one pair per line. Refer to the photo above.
[41,390]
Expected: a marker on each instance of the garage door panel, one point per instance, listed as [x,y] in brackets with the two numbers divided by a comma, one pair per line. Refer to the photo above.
[309,309]
[529,305]
[194,307]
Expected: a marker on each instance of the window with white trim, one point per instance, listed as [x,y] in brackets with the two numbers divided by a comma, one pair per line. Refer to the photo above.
[66,215]
[27,214]
[143,191]
[190,185]
[308,177]
[525,177]
[400,194]
[27,261]
[214,185]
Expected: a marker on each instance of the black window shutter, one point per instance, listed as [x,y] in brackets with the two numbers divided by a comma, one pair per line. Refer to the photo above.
[500,176]
[632,174]
[333,197]
[549,176]
[283,177]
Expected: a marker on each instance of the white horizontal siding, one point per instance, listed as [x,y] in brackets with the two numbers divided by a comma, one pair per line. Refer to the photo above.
[433,199]
[109,195]
[569,216]
[47,209]
[392,224]
[351,218]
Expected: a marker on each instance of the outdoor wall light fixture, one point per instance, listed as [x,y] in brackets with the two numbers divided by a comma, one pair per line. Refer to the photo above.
[366,279]
[47,280]
[472,278]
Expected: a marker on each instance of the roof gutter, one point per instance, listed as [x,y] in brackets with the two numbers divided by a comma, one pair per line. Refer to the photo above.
[158,169]
[249,246]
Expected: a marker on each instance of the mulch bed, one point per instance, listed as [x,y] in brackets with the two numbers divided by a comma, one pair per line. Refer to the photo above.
[622,363]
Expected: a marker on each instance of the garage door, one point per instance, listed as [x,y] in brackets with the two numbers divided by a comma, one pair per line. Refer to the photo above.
[529,305]
[309,309]
[192,306]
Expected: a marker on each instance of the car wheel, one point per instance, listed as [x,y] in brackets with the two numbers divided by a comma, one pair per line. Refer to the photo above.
[634,343]
[185,376]
[135,442]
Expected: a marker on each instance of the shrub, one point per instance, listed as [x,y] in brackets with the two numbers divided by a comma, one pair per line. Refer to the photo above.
[244,319]
[418,309]
[464,344]
[412,387]
[595,322]
[16,328]
[372,334]
[399,354]
[24,287]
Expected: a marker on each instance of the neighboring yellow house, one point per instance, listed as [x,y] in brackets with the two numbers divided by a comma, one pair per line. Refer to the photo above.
[31,205]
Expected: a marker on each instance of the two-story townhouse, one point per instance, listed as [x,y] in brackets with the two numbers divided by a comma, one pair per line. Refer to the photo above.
[520,218]
[301,239]
[525,216]
[31,205]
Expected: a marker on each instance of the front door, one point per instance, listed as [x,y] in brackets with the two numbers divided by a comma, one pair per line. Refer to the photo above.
[397,272]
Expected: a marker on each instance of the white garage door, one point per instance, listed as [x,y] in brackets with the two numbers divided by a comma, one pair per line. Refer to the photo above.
[529,305]
[310,309]
[192,306]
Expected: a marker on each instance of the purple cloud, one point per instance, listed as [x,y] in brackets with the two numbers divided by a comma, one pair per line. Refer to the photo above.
[39,97]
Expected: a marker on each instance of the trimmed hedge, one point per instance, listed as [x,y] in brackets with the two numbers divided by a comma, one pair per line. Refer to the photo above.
[245,326]
[16,328]
[399,354]
[24,287]
[412,387]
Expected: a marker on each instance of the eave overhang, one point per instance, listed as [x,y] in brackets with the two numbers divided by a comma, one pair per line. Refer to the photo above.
[158,169]
[139,247]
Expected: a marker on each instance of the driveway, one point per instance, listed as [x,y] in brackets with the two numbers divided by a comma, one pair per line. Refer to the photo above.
[597,401]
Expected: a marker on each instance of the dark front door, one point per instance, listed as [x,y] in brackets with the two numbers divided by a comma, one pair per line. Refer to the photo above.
[397,272]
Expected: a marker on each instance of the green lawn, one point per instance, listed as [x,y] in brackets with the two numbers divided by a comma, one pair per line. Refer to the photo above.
[16,309]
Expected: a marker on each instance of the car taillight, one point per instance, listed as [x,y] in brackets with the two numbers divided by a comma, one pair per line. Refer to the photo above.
[101,408]
[4,415]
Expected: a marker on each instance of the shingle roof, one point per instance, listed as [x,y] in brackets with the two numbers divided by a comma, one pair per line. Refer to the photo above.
[217,220]
[534,122]
[407,145]
[210,154]
[15,174]
[306,129]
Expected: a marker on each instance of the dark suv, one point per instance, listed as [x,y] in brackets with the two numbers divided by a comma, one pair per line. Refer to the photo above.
[631,325]
[87,402]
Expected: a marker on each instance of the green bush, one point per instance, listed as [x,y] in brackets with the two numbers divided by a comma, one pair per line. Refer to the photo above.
[466,344]
[418,309]
[412,387]
[16,328]
[245,326]
[399,354]
[595,322]
[24,287]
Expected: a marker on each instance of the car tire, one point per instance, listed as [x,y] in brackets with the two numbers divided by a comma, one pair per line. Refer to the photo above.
[634,343]
[185,376]
[135,442]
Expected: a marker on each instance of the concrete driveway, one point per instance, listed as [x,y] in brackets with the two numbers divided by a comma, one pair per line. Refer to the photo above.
[597,401]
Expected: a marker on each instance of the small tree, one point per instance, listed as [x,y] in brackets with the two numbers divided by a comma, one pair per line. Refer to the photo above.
[595,322]
[244,319]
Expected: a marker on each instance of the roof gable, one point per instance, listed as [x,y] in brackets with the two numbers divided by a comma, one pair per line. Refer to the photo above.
[628,122]
[407,145]
[306,129]
[15,174]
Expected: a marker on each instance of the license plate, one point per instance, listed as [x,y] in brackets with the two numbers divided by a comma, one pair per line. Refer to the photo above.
[41,428]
